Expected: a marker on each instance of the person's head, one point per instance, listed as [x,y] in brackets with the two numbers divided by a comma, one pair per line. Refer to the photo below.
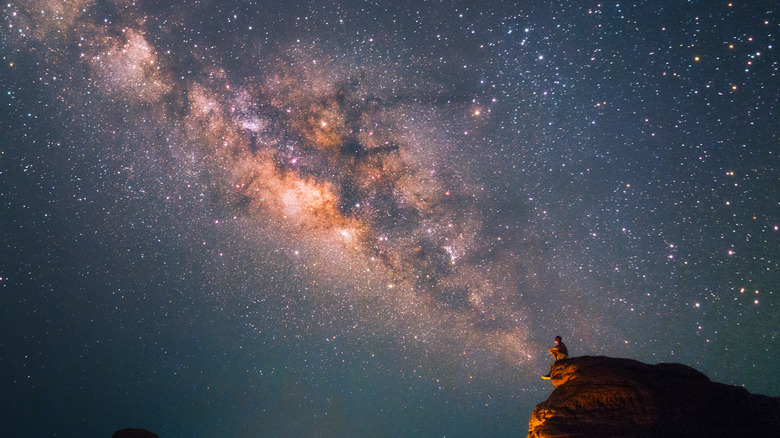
[557,339]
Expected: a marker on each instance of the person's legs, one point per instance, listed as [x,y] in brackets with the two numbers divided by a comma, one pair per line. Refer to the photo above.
[558,356]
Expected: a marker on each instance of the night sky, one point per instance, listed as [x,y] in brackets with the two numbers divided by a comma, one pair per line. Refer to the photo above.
[240,219]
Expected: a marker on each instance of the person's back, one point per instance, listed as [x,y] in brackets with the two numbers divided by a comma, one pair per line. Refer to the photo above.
[562,349]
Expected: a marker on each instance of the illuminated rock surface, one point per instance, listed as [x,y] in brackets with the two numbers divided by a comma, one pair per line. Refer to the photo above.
[598,396]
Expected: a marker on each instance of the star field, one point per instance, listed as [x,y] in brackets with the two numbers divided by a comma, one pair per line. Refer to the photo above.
[371,218]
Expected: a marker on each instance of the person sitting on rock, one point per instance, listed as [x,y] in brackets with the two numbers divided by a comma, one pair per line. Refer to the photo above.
[559,352]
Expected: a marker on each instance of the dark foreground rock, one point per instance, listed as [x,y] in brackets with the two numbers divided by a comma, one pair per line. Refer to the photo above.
[134,433]
[609,397]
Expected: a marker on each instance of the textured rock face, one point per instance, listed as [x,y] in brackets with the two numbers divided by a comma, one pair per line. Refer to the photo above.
[608,397]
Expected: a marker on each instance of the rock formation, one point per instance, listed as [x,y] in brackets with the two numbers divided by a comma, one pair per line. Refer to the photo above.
[609,397]
[133,433]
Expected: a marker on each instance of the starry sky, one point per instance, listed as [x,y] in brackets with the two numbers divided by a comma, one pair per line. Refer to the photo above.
[370,218]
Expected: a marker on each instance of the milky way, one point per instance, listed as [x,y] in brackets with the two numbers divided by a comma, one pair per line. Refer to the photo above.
[380,210]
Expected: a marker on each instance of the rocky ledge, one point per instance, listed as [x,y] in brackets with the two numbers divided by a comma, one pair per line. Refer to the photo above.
[598,396]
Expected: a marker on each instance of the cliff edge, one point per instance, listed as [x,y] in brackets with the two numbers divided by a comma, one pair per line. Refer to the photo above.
[598,396]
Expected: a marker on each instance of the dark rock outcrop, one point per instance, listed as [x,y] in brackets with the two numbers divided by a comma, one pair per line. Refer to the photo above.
[134,433]
[609,397]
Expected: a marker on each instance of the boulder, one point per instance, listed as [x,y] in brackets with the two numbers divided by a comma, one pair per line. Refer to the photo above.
[133,433]
[598,396]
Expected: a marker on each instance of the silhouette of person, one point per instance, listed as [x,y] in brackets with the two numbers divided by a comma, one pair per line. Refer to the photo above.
[558,352]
